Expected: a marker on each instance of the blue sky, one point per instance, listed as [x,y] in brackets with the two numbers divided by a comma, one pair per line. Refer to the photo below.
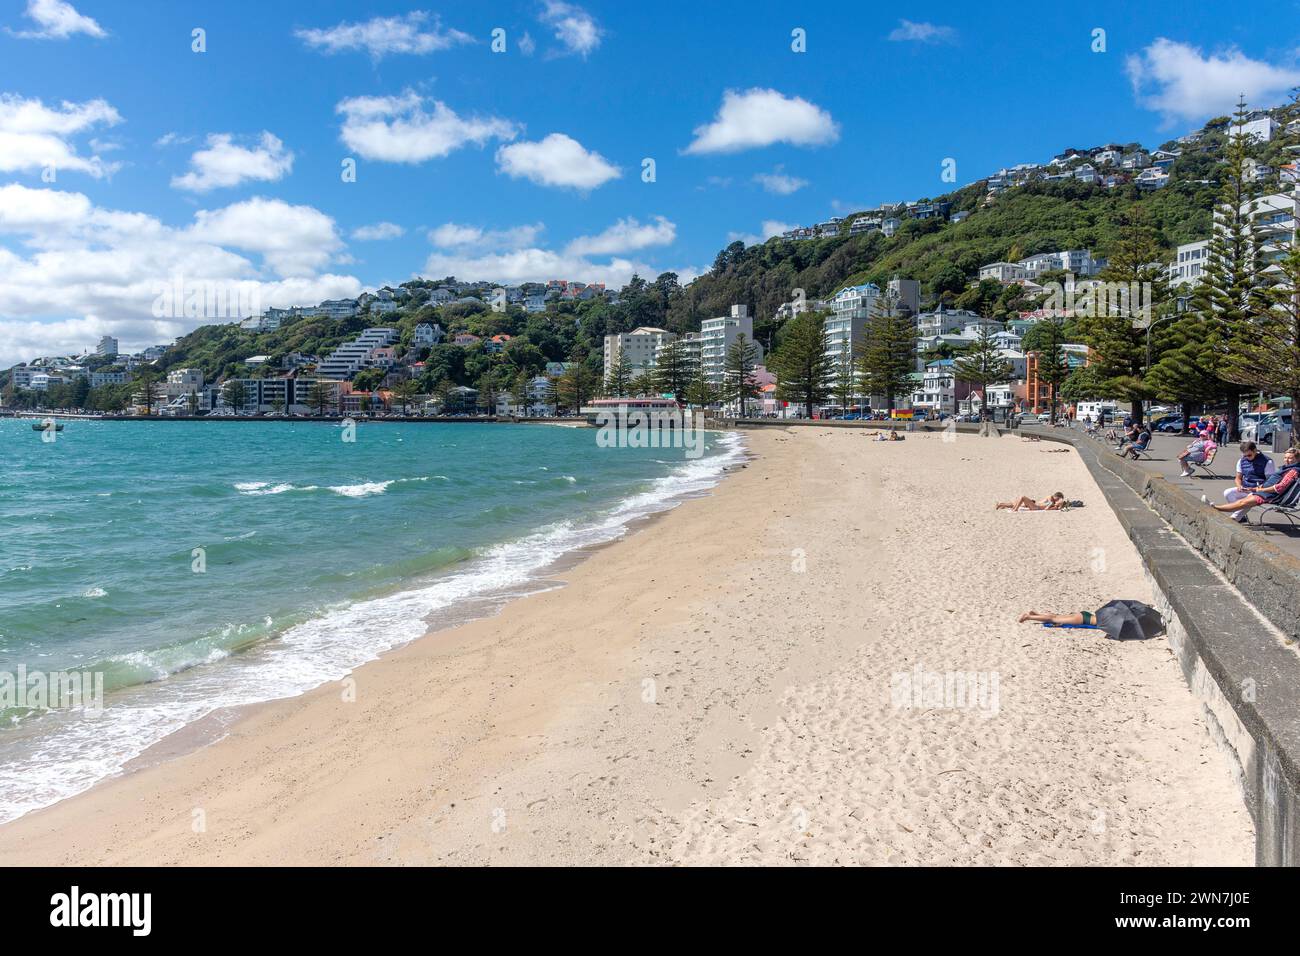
[225,165]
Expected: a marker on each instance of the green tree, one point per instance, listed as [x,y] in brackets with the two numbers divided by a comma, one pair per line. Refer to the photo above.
[487,394]
[889,357]
[234,394]
[643,384]
[620,377]
[803,367]
[673,369]
[147,389]
[578,383]
[404,391]
[845,384]
[983,365]
[193,402]
[1114,323]
[1053,365]
[1229,297]
[320,397]
[700,392]
[739,386]
[1264,351]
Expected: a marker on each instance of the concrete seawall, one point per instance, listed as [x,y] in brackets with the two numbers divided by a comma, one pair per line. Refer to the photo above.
[1232,603]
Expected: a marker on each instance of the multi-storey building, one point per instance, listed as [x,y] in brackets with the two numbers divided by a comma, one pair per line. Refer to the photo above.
[346,360]
[639,348]
[1189,262]
[718,335]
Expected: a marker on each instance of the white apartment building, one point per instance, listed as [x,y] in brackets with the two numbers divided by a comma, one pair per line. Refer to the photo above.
[1003,271]
[100,379]
[640,348]
[1079,262]
[943,321]
[266,322]
[346,360]
[718,335]
[1189,262]
[107,346]
[182,381]
[1261,130]
[846,327]
[1275,221]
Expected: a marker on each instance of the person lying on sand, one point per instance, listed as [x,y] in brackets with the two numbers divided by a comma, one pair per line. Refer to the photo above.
[1026,503]
[1078,617]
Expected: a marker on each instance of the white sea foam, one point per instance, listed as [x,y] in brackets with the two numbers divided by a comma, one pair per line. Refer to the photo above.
[96,593]
[72,752]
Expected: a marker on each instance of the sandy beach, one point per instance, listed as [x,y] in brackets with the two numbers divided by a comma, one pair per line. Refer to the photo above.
[733,683]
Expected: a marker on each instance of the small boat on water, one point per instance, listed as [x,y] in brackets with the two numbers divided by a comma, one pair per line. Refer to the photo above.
[47,425]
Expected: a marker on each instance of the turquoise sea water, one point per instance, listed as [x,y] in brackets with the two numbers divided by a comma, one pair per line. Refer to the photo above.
[313,555]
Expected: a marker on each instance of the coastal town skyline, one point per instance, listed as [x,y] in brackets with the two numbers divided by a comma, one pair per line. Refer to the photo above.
[105,199]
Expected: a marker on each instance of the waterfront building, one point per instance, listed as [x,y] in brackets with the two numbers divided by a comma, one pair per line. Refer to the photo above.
[639,348]
[717,336]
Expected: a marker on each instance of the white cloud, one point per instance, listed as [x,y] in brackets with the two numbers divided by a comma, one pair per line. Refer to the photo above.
[34,136]
[107,267]
[527,45]
[293,240]
[58,20]
[171,139]
[399,129]
[557,160]
[769,228]
[452,235]
[224,163]
[514,255]
[381,36]
[1181,82]
[626,235]
[574,27]
[909,32]
[378,231]
[779,182]
[760,117]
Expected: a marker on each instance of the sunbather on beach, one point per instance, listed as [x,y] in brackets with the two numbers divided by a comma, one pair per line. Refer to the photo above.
[1078,617]
[1025,503]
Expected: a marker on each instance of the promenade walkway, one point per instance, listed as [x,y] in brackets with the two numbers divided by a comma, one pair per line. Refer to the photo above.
[1164,451]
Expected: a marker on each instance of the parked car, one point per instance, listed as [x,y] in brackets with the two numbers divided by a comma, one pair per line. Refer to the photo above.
[1262,430]
[1176,424]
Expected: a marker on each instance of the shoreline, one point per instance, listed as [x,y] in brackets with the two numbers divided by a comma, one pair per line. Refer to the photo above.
[691,690]
[608,524]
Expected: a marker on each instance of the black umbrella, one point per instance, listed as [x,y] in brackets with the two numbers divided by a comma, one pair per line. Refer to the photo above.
[1129,620]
